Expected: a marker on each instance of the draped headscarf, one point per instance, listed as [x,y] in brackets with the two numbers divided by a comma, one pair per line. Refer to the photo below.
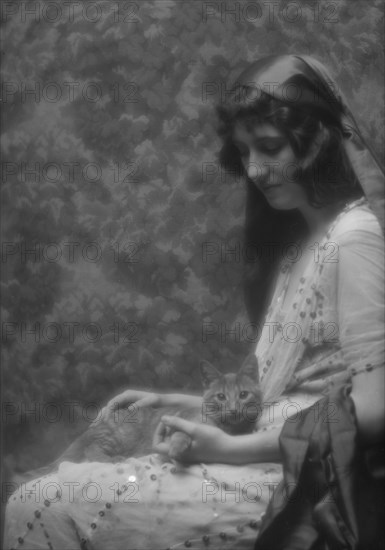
[301,81]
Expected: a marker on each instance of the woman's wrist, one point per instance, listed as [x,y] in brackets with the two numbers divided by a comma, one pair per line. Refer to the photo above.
[256,447]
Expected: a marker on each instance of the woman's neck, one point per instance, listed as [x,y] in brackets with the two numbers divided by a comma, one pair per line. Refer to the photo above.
[319,219]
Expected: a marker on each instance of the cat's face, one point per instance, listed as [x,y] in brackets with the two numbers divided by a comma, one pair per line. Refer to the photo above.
[232,401]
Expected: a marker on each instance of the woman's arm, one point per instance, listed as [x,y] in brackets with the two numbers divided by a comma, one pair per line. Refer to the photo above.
[368,395]
[361,322]
[141,398]
[211,444]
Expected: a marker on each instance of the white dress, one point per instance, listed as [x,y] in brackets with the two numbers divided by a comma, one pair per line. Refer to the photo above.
[332,329]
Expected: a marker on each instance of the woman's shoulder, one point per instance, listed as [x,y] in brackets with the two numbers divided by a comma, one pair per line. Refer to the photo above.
[357,218]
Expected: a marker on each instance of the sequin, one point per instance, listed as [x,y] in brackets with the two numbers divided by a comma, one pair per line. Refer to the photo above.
[131,478]
[101,513]
[93,525]
[187,543]
[268,362]
[223,535]
[37,513]
[29,525]
[253,524]
[206,539]
[108,505]
[47,503]
[302,314]
[153,477]
[20,540]
[173,470]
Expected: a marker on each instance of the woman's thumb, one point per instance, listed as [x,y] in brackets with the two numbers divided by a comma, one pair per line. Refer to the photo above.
[179,424]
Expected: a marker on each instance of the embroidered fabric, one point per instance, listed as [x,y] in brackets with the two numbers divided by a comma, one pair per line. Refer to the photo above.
[335,324]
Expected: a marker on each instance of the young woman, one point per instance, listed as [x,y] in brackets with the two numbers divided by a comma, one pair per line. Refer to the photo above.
[312,187]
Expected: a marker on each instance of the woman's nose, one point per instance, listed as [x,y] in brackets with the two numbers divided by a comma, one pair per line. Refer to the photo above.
[254,166]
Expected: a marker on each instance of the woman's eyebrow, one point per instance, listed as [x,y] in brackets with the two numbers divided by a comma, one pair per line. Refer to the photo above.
[261,139]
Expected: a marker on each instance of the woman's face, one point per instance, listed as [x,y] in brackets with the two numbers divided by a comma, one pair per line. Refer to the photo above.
[270,163]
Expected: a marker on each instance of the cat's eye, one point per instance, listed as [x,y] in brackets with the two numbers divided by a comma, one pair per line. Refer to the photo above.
[221,396]
[243,394]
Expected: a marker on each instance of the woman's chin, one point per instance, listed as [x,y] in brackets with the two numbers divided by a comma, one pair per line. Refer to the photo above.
[280,204]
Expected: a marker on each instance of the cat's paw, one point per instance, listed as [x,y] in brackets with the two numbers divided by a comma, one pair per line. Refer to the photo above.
[179,444]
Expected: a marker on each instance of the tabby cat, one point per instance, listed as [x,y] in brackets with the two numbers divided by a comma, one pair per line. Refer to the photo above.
[230,401]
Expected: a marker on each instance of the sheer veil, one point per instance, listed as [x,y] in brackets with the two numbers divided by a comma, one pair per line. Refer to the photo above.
[304,82]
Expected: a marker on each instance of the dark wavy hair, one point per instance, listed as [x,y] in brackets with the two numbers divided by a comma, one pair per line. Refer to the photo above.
[325,173]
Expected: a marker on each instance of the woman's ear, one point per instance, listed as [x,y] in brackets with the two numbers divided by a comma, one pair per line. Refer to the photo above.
[316,146]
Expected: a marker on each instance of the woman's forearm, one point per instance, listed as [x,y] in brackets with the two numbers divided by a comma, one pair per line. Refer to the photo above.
[256,447]
[368,397]
[180,400]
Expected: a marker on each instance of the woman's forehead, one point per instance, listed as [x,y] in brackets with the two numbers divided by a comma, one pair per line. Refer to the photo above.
[245,129]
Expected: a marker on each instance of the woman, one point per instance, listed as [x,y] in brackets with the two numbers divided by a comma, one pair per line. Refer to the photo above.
[288,130]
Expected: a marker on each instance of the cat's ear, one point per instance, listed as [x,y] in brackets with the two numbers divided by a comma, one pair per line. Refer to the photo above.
[250,367]
[208,373]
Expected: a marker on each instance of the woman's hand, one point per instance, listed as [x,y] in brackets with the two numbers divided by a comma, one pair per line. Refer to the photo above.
[139,399]
[207,442]
[129,397]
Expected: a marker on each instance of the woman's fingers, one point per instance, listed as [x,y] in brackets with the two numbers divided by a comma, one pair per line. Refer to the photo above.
[179,424]
[163,431]
[158,442]
[149,400]
[136,398]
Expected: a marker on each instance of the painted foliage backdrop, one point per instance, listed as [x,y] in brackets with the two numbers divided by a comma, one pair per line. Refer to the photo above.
[110,176]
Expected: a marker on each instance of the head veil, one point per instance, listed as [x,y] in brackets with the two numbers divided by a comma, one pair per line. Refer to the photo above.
[304,82]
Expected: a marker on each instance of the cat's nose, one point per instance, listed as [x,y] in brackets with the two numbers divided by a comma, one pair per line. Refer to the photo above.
[233,413]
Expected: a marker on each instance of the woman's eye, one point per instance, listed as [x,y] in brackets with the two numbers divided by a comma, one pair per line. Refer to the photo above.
[274,145]
[271,149]
[243,394]
[221,396]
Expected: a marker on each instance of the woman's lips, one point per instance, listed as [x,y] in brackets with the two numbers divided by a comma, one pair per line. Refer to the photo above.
[267,188]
